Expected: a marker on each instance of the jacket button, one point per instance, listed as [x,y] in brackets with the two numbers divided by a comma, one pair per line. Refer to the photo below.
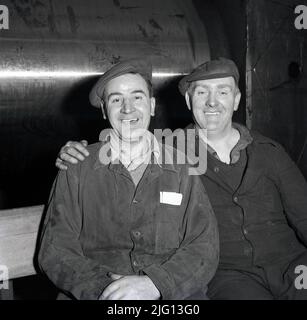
[245,231]
[135,201]
[216,169]
[235,199]
[137,234]
[135,263]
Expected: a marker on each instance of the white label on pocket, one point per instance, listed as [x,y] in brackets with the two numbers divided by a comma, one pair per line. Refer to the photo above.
[172,198]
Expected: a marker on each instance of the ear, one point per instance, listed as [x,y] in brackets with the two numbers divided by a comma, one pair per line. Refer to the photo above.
[237,100]
[187,100]
[103,110]
[152,106]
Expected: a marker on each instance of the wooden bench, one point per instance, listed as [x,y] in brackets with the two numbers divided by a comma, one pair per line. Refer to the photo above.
[18,236]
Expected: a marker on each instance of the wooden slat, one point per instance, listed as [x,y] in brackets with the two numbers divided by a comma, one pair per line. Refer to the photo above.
[18,235]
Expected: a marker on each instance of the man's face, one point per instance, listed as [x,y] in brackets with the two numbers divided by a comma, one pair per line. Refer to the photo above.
[129,105]
[213,102]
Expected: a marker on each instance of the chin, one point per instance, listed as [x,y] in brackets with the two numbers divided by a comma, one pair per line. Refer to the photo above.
[211,127]
[131,138]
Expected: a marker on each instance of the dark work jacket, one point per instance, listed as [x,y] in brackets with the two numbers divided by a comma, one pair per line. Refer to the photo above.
[99,222]
[264,220]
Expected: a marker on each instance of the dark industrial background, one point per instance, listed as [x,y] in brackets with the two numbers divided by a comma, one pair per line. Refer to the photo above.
[54,51]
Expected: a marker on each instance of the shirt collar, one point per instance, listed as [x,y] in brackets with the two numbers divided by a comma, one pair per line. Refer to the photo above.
[244,141]
[161,155]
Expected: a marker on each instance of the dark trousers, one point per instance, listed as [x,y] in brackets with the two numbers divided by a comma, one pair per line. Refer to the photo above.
[272,282]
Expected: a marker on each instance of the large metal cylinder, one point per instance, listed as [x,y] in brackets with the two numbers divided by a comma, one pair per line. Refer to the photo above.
[52,54]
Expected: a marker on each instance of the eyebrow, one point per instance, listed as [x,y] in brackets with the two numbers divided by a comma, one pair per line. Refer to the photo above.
[139,91]
[120,94]
[220,86]
[113,94]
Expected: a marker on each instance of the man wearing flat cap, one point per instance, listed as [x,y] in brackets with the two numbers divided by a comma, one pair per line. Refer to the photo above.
[257,192]
[137,227]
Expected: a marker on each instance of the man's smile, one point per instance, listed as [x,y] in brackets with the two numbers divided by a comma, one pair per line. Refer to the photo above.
[131,121]
[211,113]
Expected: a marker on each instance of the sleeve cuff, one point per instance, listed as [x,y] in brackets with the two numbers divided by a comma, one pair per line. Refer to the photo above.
[91,291]
[161,280]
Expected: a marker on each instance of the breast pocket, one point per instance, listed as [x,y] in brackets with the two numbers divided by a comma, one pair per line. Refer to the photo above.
[169,219]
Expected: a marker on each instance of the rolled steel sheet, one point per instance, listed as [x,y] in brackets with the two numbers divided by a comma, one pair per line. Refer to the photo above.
[52,54]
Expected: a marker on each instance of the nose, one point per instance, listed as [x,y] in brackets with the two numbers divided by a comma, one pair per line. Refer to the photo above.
[211,102]
[127,106]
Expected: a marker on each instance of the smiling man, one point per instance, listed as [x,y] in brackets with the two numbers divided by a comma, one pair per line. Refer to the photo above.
[213,102]
[257,192]
[137,227]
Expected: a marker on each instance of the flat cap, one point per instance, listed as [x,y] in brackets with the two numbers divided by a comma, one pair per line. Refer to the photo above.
[136,65]
[219,68]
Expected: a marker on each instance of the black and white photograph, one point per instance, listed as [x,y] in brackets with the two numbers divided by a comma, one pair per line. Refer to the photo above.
[153,150]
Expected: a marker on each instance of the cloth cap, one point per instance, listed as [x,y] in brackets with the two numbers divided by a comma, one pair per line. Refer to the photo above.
[136,65]
[220,68]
